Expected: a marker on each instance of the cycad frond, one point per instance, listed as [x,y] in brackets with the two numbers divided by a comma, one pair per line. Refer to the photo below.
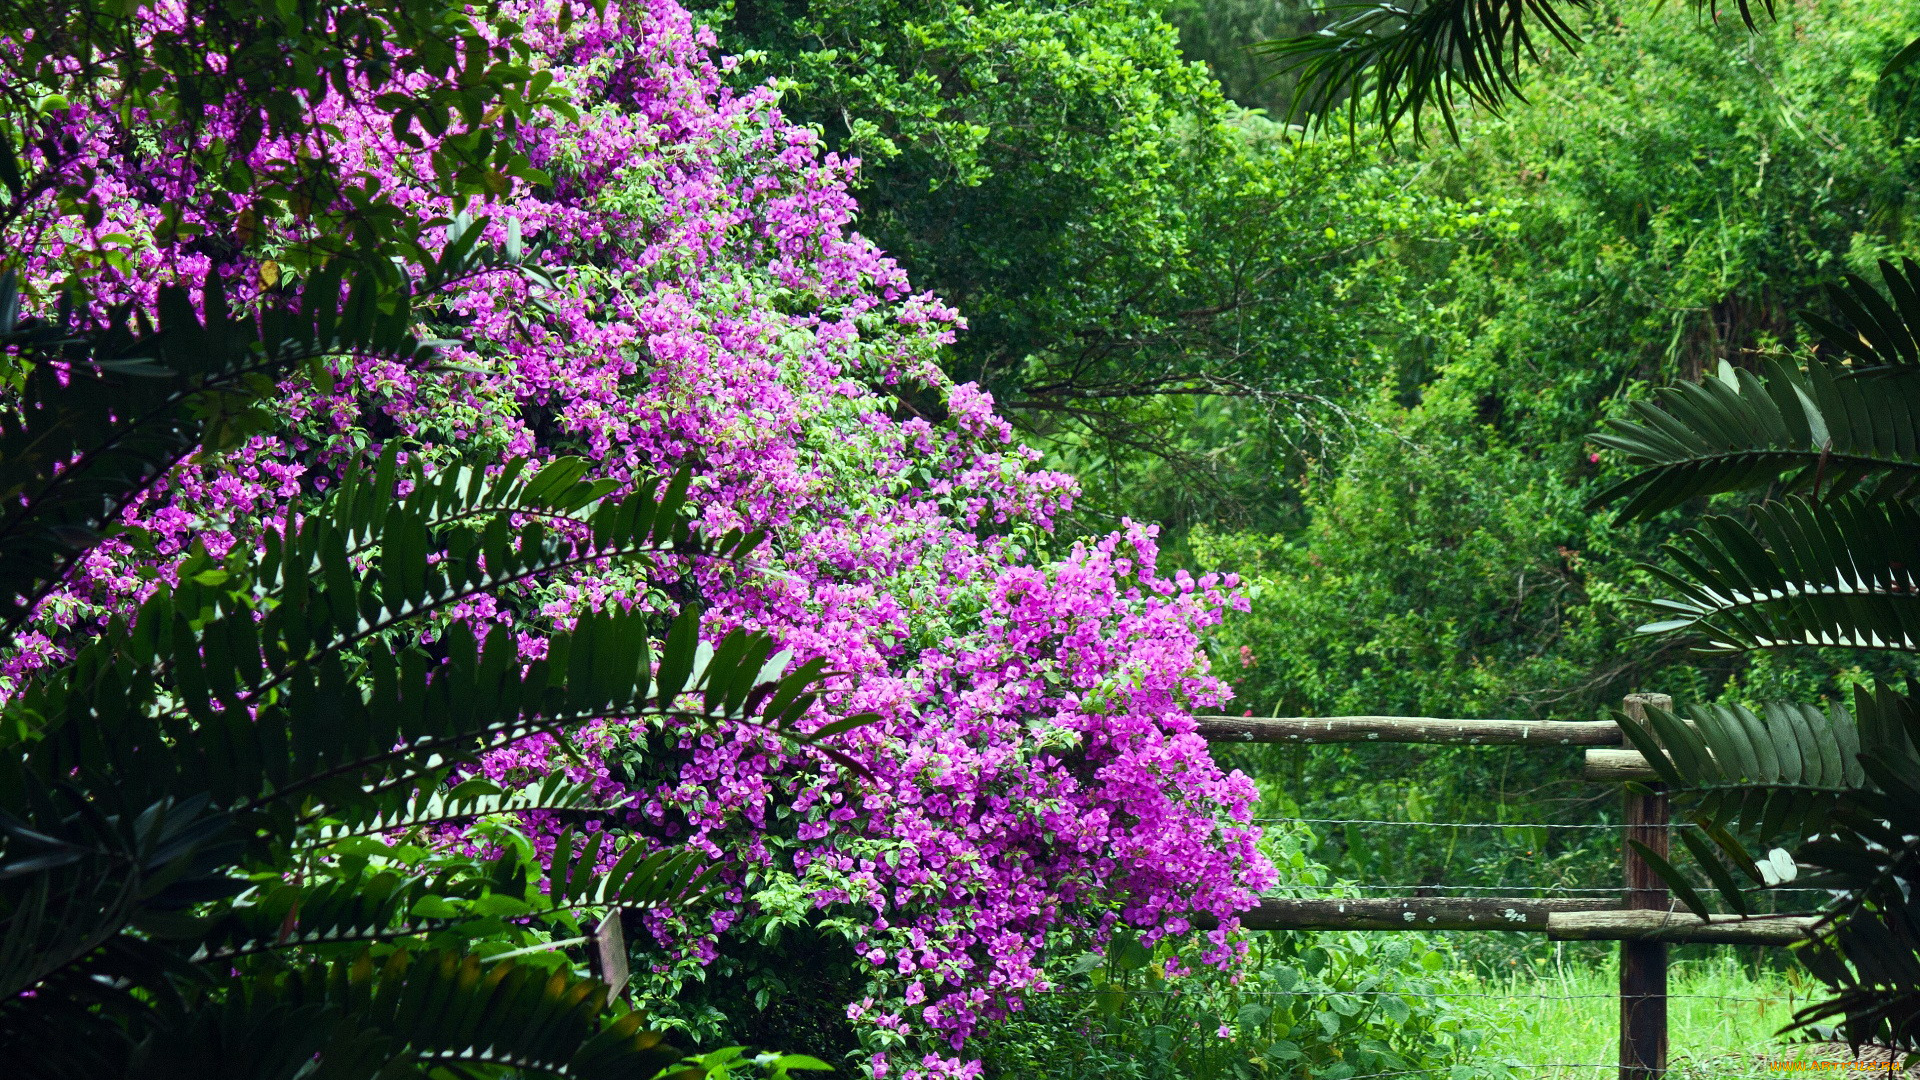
[1869,952]
[386,905]
[258,652]
[1840,572]
[413,1014]
[1853,779]
[1833,566]
[1781,770]
[639,879]
[427,800]
[249,686]
[127,402]
[74,872]
[446,1010]
[1817,430]
[1882,337]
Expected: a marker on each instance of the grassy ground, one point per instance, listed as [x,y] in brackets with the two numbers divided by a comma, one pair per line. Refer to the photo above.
[1723,1017]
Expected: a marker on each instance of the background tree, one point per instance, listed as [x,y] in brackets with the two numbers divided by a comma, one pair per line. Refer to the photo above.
[1159,288]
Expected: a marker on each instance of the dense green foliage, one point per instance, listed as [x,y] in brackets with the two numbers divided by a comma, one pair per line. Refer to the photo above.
[1318,1004]
[1121,239]
[1408,485]
[1452,533]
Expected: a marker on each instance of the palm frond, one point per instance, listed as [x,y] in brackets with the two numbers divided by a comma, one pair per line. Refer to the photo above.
[413,1014]
[360,748]
[1868,952]
[1852,780]
[1840,572]
[386,905]
[1882,335]
[1816,431]
[1400,60]
[441,1009]
[1829,566]
[247,646]
[639,879]
[1782,770]
[106,411]
[78,870]
[427,800]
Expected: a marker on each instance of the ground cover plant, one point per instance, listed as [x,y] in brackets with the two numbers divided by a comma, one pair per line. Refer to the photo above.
[658,276]
[1167,294]
[1725,1013]
[1332,1005]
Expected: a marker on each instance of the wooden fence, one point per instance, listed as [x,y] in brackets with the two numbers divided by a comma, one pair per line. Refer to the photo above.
[1645,925]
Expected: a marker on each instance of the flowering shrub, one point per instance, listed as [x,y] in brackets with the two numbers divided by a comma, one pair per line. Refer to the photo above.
[680,287]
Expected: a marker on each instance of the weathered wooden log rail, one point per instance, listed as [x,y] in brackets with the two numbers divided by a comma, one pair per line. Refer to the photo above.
[1607,758]
[1645,926]
[1560,918]
[1409,729]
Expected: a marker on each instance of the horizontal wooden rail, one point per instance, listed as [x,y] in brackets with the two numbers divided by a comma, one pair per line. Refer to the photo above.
[1617,765]
[1678,927]
[1413,913]
[1560,918]
[1408,729]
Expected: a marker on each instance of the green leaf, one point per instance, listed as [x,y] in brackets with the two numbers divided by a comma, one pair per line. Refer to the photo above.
[1716,871]
[1673,878]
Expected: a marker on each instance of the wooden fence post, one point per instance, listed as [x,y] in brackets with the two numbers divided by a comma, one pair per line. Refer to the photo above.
[1643,964]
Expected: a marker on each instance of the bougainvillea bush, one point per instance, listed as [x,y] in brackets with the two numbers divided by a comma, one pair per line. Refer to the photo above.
[676,283]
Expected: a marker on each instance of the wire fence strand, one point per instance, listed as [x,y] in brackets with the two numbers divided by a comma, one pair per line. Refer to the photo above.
[1437,994]
[1772,1069]
[1435,824]
[1509,889]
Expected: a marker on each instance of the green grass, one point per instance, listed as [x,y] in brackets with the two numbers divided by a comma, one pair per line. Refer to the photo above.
[1723,1021]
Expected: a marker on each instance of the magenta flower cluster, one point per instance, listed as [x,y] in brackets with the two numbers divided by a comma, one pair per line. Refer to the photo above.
[1035,779]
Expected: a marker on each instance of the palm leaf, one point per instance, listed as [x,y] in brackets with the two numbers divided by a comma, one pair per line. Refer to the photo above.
[1816,431]
[1405,60]
[1836,572]
[414,1014]
[1812,761]
[1881,334]
[133,400]
[1868,951]
[427,800]
[384,905]
[1400,60]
